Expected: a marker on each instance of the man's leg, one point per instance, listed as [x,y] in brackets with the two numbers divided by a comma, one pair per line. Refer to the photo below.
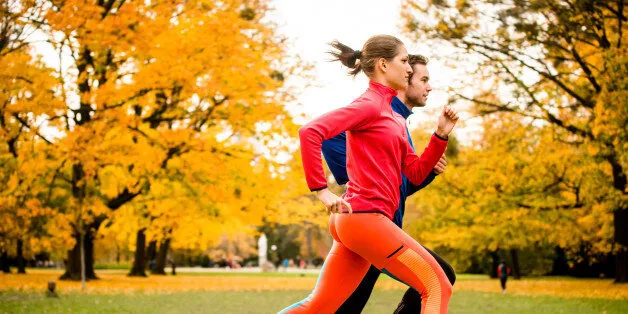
[412,300]
[411,303]
[357,301]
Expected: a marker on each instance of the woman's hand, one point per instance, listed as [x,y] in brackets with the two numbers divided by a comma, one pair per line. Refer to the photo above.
[333,203]
[447,120]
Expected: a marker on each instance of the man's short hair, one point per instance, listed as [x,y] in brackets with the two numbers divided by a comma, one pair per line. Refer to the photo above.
[417,59]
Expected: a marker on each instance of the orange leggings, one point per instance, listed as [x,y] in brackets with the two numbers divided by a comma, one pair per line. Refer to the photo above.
[362,239]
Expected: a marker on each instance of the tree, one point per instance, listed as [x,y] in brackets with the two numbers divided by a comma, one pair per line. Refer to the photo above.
[132,106]
[515,189]
[27,96]
[560,62]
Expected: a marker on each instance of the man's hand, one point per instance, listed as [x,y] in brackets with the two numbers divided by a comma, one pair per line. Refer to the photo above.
[333,203]
[441,165]
[447,121]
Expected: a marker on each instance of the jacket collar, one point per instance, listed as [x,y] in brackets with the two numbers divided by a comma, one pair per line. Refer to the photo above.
[382,90]
[399,107]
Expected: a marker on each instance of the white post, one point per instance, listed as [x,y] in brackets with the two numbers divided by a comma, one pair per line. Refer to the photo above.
[262,248]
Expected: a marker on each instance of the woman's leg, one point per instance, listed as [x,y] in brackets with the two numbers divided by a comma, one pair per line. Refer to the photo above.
[356,302]
[377,239]
[412,301]
[341,273]
[447,268]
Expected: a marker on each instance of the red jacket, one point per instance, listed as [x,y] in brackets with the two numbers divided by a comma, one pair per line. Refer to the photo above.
[377,151]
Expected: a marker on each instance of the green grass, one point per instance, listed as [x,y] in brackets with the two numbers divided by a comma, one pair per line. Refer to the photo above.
[235,274]
[121,270]
[272,301]
[114,270]
[125,266]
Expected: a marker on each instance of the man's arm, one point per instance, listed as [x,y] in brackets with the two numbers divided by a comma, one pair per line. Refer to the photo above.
[412,188]
[334,151]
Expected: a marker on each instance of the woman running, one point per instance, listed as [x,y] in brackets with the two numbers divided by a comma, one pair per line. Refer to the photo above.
[378,152]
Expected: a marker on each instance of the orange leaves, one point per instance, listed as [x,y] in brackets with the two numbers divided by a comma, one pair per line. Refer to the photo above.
[160,110]
[100,27]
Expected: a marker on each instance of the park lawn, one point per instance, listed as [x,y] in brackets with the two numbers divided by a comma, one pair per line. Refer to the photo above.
[116,282]
[382,301]
[237,292]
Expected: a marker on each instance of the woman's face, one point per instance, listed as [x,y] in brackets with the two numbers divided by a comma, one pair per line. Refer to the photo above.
[397,70]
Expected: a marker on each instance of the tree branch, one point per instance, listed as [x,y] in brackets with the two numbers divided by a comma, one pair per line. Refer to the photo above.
[121,199]
[550,208]
[586,69]
[506,52]
[25,124]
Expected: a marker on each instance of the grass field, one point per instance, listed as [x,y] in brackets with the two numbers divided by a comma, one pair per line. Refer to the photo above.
[268,293]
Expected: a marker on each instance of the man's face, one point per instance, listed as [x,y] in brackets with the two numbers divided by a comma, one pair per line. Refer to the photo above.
[419,87]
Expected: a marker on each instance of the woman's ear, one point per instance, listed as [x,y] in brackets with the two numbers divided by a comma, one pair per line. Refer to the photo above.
[382,64]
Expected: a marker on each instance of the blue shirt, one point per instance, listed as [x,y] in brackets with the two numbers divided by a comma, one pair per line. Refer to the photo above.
[335,150]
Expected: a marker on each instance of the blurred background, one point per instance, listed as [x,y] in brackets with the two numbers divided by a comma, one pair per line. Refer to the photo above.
[143,138]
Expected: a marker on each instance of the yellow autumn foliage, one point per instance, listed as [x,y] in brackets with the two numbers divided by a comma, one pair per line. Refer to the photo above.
[162,123]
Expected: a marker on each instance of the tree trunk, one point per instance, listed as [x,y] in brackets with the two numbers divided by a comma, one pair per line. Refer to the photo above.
[89,254]
[495,261]
[620,223]
[560,263]
[151,252]
[138,263]
[4,263]
[73,264]
[160,263]
[621,266]
[620,241]
[308,244]
[21,263]
[117,254]
[515,263]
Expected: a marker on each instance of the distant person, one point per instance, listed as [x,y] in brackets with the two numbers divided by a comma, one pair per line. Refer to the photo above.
[173,266]
[503,273]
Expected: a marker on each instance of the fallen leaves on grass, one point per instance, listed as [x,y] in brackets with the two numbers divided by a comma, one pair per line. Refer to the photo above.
[117,282]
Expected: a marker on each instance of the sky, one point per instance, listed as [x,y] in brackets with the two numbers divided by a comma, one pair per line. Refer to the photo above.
[311,25]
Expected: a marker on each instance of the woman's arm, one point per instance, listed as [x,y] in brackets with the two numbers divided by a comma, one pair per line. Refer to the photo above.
[355,116]
[417,168]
